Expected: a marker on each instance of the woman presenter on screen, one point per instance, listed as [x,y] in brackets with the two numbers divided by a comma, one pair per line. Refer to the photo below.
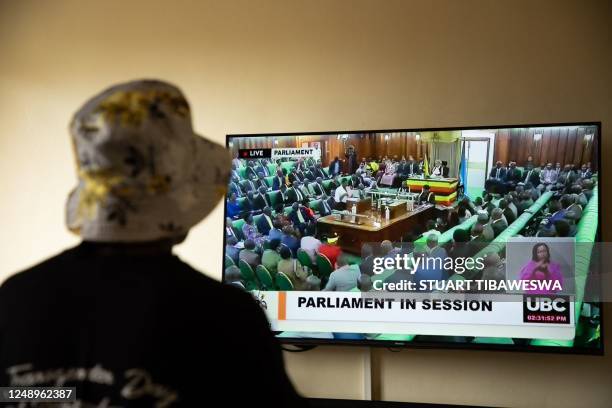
[541,268]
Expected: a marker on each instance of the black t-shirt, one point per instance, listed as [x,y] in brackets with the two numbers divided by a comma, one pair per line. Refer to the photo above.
[138,331]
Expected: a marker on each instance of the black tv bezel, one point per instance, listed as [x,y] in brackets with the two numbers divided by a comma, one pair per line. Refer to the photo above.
[439,345]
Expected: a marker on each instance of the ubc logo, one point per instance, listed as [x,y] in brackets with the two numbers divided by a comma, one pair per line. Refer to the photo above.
[540,309]
[546,304]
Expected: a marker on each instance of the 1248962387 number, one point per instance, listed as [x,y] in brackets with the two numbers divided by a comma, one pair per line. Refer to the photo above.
[37,394]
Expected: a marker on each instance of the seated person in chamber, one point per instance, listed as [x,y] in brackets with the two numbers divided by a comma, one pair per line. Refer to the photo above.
[434,250]
[585,172]
[262,167]
[300,174]
[251,173]
[441,224]
[234,186]
[271,257]
[300,165]
[249,255]
[236,162]
[487,230]
[426,196]
[293,176]
[294,194]
[563,229]
[478,241]
[487,202]
[364,178]
[525,201]
[506,211]
[421,163]
[478,204]
[291,239]
[281,217]
[460,246]
[399,276]
[261,181]
[279,180]
[303,187]
[372,187]
[367,259]
[445,169]
[387,250]
[548,178]
[231,250]
[233,277]
[412,166]
[319,171]
[498,222]
[340,195]
[292,268]
[513,176]
[463,214]
[531,175]
[494,268]
[373,167]
[300,217]
[249,230]
[364,283]
[439,169]
[497,177]
[344,278]
[401,169]
[541,267]
[512,199]
[310,243]
[248,185]
[261,199]
[312,283]
[326,205]
[389,175]
[360,192]
[452,218]
[363,165]
[229,229]
[556,212]
[233,208]
[282,197]
[276,231]
[316,188]
[427,270]
[330,249]
[575,208]
[309,211]
[431,228]
[265,221]
[248,203]
[311,174]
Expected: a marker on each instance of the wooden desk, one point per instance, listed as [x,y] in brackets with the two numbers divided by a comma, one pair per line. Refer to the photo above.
[353,235]
[363,205]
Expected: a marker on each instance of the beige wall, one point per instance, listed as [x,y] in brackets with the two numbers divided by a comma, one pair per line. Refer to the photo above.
[272,66]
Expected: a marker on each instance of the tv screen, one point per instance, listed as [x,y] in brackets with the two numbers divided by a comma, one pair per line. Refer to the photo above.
[476,237]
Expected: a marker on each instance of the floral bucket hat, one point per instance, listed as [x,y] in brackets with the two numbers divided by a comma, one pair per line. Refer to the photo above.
[143,174]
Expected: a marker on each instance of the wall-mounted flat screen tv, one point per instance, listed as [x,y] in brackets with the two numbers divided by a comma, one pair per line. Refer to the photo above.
[474,237]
